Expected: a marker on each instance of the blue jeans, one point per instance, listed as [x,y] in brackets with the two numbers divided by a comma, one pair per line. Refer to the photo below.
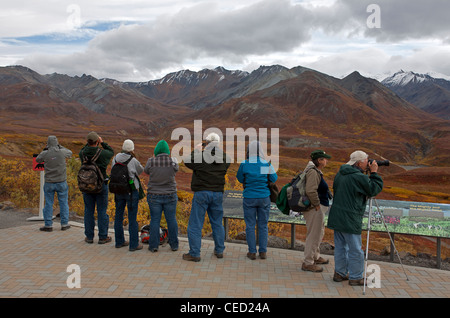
[211,202]
[348,255]
[131,201]
[62,191]
[90,201]
[157,204]
[256,211]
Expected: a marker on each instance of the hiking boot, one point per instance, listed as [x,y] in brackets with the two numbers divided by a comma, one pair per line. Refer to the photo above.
[356,282]
[189,257]
[252,256]
[312,268]
[105,240]
[126,243]
[65,227]
[338,278]
[263,255]
[321,261]
[46,229]
[137,248]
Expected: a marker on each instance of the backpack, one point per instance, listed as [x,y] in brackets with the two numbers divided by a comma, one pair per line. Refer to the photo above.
[296,194]
[90,178]
[282,202]
[145,234]
[119,180]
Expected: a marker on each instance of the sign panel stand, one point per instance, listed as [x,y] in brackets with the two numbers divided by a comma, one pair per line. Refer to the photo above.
[39,168]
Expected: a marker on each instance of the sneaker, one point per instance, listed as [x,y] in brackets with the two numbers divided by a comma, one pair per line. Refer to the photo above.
[46,229]
[189,257]
[89,241]
[65,227]
[218,255]
[338,278]
[105,240]
[153,250]
[312,268]
[252,256]
[321,261]
[263,255]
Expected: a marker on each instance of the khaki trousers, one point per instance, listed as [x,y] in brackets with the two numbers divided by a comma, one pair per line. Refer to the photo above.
[314,234]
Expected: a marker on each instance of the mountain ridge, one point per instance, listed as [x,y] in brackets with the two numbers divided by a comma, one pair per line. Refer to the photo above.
[426,92]
[308,107]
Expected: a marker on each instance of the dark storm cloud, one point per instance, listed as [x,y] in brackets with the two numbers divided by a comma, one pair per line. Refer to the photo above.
[204,30]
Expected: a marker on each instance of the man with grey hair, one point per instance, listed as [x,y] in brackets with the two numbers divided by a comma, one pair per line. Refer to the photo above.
[352,187]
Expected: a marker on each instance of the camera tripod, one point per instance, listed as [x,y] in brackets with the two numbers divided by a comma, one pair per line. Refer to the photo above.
[369,226]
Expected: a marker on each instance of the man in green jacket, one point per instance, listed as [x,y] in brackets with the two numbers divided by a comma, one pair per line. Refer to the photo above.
[94,141]
[352,188]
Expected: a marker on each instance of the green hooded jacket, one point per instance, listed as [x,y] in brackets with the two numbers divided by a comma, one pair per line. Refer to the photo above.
[352,188]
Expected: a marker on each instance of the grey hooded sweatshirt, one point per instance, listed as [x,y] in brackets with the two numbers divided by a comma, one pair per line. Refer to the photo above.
[54,159]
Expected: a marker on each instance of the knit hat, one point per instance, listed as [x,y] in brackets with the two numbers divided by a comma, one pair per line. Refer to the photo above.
[162,147]
[213,137]
[128,145]
[357,156]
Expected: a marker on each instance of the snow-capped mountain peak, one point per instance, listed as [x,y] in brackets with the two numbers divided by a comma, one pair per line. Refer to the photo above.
[403,78]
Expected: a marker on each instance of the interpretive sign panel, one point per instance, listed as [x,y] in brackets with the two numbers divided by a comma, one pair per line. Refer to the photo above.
[402,217]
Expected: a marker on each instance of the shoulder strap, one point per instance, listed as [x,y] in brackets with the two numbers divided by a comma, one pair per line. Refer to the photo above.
[128,161]
[123,163]
[97,154]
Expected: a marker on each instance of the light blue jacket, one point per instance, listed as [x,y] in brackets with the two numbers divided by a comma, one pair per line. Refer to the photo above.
[253,173]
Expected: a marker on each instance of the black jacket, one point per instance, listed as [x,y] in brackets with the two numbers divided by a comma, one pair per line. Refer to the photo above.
[209,168]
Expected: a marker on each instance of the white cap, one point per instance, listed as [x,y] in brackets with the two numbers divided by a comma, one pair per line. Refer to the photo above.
[357,156]
[213,137]
[128,145]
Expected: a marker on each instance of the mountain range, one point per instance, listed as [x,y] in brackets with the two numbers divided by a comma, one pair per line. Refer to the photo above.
[424,91]
[311,109]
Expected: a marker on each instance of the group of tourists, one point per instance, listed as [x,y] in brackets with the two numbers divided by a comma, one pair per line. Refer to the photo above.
[354,183]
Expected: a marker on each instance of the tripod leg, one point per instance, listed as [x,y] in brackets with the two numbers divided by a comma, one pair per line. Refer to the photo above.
[369,222]
[390,238]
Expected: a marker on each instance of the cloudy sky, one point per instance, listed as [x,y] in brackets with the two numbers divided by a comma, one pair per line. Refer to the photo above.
[139,40]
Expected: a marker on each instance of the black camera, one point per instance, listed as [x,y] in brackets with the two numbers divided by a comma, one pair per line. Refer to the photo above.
[380,163]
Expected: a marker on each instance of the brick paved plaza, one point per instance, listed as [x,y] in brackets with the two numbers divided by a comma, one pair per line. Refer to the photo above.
[33,264]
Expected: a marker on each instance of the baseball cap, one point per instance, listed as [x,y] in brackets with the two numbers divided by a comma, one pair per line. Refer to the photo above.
[357,156]
[316,154]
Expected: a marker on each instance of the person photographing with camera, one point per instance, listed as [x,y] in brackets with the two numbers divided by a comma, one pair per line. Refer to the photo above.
[352,187]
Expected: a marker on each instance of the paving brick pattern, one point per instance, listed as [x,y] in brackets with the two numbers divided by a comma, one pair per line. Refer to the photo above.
[34,264]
